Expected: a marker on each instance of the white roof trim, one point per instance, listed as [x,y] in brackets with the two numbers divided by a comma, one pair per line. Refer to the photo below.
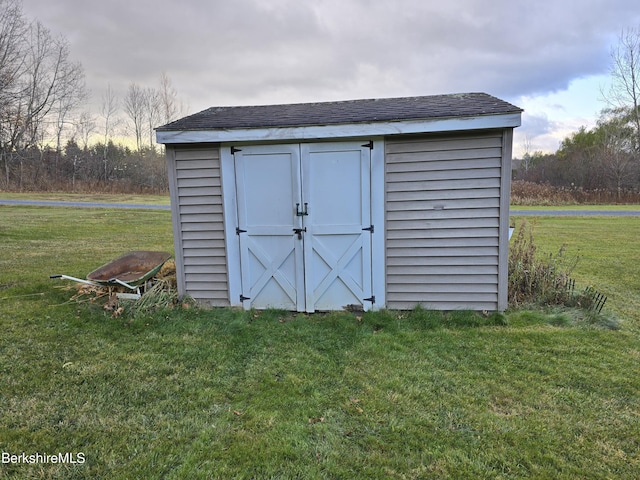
[340,131]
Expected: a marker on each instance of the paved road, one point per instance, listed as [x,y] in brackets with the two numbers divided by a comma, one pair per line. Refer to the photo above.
[47,203]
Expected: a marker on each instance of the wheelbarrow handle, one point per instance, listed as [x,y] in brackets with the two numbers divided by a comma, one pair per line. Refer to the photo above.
[79,280]
[124,284]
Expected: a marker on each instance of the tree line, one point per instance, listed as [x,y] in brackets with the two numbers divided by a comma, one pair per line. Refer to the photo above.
[607,156]
[98,167]
[47,140]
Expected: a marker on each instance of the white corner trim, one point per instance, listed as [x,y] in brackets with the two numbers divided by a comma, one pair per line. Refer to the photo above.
[378,260]
[230,212]
[505,197]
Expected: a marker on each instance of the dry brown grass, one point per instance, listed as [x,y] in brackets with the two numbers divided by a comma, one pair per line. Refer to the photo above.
[530,193]
[536,277]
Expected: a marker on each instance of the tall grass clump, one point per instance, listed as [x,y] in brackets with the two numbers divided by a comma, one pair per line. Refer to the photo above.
[536,278]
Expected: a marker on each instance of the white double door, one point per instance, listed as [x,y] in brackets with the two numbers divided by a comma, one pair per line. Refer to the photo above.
[304,225]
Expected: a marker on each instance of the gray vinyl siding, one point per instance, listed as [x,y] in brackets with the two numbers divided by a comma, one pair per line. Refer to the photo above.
[442,211]
[198,224]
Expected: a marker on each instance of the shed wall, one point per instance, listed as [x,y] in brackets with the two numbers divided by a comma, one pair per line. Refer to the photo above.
[442,220]
[196,199]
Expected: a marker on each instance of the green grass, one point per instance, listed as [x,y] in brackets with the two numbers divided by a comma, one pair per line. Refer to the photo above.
[89,197]
[633,208]
[608,256]
[231,394]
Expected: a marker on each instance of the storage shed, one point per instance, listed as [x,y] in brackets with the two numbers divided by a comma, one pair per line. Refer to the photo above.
[381,203]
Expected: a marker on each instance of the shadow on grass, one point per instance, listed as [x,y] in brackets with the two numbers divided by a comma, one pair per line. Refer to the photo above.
[560,316]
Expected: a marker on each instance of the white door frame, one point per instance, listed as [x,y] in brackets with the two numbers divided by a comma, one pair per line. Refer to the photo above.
[230,210]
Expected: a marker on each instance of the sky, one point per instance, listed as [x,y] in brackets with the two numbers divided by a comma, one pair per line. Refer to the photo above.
[550,57]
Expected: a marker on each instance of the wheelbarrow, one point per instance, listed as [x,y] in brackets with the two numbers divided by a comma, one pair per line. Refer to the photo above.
[131,270]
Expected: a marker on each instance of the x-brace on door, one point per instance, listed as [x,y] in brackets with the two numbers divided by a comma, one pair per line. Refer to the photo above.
[304,224]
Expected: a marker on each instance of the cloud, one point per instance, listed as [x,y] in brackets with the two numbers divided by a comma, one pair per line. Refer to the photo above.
[535,134]
[220,52]
[536,125]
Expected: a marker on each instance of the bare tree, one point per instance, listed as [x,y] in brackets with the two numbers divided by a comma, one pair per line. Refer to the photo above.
[54,86]
[135,107]
[70,95]
[37,82]
[153,112]
[624,95]
[168,99]
[170,107]
[148,107]
[526,156]
[618,170]
[84,127]
[13,41]
[47,58]
[108,111]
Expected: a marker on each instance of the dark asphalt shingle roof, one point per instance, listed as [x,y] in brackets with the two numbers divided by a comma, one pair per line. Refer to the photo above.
[344,112]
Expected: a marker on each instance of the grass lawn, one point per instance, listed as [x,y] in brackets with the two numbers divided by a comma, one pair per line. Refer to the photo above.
[89,197]
[190,393]
[608,256]
[577,207]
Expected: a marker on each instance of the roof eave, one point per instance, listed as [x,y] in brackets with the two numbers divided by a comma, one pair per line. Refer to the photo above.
[440,124]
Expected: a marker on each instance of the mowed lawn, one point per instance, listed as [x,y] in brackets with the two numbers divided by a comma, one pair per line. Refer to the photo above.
[608,253]
[190,393]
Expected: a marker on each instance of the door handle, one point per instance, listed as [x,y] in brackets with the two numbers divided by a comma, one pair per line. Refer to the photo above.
[299,231]
[302,213]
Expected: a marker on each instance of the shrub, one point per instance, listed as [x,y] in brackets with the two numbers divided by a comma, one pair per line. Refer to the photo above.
[545,280]
[534,277]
